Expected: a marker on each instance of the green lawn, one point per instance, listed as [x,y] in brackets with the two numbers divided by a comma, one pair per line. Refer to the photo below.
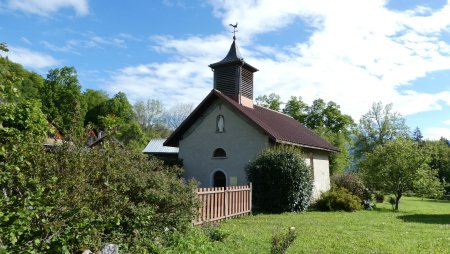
[421,226]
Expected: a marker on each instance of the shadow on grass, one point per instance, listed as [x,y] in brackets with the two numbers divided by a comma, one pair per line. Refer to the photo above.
[384,210]
[427,218]
[441,201]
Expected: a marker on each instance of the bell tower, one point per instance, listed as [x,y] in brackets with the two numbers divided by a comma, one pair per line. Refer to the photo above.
[234,77]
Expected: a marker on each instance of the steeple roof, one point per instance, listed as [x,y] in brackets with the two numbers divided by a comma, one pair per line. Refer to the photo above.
[233,57]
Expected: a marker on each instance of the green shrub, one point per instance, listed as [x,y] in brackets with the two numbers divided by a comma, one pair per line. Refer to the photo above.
[77,198]
[282,240]
[338,199]
[379,197]
[214,232]
[281,180]
[193,240]
[353,183]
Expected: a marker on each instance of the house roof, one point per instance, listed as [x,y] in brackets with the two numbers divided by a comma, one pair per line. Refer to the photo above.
[279,127]
[156,146]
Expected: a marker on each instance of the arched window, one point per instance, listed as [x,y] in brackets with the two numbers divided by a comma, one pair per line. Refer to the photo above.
[220,123]
[219,153]
[219,179]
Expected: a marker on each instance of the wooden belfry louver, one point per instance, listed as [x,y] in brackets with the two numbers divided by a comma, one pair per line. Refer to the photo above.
[234,77]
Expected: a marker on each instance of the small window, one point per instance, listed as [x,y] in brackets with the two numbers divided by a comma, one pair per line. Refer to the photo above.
[220,123]
[219,153]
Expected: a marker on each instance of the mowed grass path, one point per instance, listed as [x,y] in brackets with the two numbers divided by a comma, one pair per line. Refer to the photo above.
[421,226]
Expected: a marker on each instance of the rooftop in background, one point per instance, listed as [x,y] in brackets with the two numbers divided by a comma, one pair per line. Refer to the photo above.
[156,146]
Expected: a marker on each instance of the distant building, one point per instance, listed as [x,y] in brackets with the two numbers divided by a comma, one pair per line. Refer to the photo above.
[157,149]
[227,130]
[54,136]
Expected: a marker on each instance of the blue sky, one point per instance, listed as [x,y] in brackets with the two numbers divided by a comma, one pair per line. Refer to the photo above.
[352,52]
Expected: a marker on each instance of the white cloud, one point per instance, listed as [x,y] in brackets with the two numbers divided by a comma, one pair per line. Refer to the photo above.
[358,52]
[25,40]
[31,59]
[45,7]
[66,48]
[90,40]
[447,122]
[436,133]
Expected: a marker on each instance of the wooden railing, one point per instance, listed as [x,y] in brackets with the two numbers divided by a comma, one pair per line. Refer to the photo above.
[222,203]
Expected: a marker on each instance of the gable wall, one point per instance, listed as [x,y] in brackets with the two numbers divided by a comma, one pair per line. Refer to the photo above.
[240,140]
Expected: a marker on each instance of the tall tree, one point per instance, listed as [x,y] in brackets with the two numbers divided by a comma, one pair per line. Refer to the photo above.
[149,113]
[61,99]
[296,108]
[94,101]
[29,84]
[440,159]
[329,122]
[395,167]
[120,107]
[378,126]
[272,101]
[177,114]
[417,135]
[3,47]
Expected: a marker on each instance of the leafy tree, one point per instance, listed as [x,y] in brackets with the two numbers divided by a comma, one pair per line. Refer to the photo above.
[3,47]
[29,84]
[339,162]
[319,116]
[327,120]
[445,141]
[22,131]
[316,115]
[61,99]
[378,126]
[427,184]
[439,152]
[120,107]
[149,114]
[95,101]
[177,114]
[417,135]
[394,167]
[70,198]
[296,108]
[132,135]
[281,180]
[272,101]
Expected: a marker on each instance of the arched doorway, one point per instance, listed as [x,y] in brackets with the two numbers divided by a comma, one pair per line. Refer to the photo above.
[219,179]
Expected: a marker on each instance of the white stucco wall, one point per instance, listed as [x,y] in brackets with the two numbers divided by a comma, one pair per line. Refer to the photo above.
[321,171]
[241,141]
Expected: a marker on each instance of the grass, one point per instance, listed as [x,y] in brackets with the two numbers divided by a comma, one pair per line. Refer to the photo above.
[421,226]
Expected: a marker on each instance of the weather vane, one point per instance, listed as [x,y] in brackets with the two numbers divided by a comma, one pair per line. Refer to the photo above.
[234,30]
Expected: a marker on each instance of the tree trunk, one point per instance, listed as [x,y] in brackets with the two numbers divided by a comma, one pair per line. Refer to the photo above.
[397,200]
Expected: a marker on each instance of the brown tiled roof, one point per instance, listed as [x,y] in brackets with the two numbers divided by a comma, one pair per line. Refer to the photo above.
[279,127]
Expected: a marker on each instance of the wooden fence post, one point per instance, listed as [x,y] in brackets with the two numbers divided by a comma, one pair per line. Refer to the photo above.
[250,198]
[226,202]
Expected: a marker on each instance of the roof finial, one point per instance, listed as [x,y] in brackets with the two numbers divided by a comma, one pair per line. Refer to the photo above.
[234,30]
